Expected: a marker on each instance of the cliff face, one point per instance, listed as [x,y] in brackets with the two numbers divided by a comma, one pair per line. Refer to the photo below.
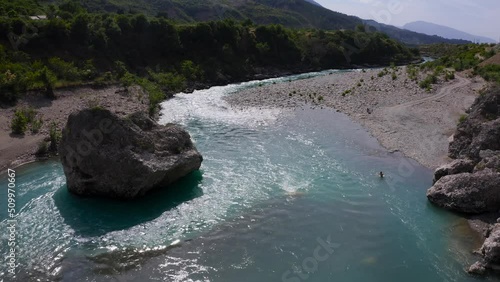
[471,183]
[104,155]
[481,129]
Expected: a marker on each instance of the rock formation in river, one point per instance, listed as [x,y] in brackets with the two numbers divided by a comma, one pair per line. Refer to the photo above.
[471,183]
[104,155]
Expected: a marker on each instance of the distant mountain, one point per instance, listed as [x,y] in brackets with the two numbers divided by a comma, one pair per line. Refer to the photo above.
[411,37]
[290,13]
[446,32]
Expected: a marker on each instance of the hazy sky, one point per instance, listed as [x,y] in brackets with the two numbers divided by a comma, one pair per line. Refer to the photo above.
[478,17]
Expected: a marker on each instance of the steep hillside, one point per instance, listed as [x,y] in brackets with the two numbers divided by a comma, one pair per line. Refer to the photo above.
[290,13]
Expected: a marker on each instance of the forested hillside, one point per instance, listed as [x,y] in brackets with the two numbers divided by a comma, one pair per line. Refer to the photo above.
[73,46]
[290,13]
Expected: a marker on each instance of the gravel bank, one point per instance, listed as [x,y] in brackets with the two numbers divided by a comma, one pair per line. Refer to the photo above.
[400,114]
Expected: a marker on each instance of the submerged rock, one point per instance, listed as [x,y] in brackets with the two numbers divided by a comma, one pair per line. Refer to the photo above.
[490,252]
[467,193]
[108,156]
[455,167]
[477,268]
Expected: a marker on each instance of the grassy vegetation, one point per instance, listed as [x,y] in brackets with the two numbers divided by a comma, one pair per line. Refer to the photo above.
[462,118]
[55,136]
[458,57]
[489,73]
[428,82]
[454,58]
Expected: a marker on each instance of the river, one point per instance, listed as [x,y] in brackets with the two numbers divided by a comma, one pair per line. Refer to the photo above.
[282,195]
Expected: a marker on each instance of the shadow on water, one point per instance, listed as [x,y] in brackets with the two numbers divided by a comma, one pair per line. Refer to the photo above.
[96,217]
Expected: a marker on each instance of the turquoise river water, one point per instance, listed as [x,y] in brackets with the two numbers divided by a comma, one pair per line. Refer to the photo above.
[282,195]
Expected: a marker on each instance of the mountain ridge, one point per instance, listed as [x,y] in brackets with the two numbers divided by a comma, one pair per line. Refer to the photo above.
[445,32]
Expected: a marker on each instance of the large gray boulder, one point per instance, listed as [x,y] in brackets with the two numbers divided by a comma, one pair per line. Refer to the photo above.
[455,167]
[467,193]
[104,155]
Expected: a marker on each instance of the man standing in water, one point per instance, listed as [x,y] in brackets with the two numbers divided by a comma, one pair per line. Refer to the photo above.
[381,175]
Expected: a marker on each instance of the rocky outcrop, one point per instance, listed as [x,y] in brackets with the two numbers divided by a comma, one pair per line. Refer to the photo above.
[472,193]
[455,167]
[471,183]
[104,155]
[490,160]
[480,130]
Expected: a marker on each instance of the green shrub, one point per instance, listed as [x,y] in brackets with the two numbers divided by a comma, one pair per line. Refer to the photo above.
[191,71]
[394,76]
[490,73]
[105,79]
[22,118]
[120,69]
[412,72]
[449,75]
[462,118]
[169,81]
[156,94]
[49,80]
[438,70]
[428,81]
[128,79]
[54,137]
[64,70]
[43,148]
[19,123]
[36,125]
